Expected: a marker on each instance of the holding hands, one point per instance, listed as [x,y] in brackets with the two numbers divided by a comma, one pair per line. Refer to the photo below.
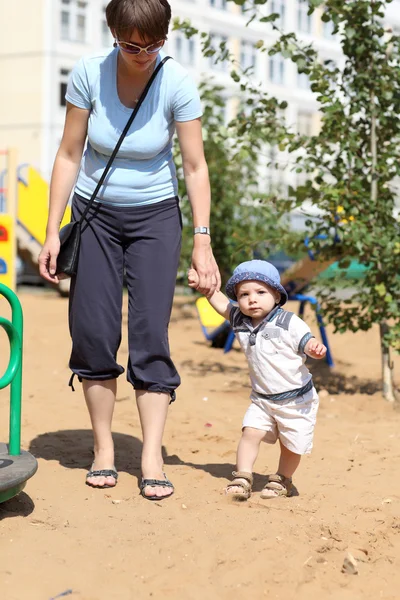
[193,278]
[204,274]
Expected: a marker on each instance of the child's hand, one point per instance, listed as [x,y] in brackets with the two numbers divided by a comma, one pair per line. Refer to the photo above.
[193,278]
[315,349]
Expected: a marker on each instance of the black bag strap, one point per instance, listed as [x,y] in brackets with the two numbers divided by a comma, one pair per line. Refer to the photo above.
[121,139]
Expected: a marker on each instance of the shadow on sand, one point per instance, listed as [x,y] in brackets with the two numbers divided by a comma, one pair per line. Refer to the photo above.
[72,448]
[19,506]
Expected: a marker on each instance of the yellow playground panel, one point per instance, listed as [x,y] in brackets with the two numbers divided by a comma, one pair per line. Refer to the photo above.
[216,329]
[7,252]
[209,317]
[33,205]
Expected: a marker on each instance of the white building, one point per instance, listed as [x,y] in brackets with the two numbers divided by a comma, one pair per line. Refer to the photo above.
[42,39]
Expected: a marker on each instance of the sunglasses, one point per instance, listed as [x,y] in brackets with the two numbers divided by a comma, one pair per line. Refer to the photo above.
[135,49]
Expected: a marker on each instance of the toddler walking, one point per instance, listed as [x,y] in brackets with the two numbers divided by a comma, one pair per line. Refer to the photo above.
[284,402]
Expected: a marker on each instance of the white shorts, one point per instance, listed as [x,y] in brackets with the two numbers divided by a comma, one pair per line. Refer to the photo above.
[291,421]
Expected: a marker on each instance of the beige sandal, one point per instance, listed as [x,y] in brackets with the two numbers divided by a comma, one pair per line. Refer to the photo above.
[246,485]
[280,485]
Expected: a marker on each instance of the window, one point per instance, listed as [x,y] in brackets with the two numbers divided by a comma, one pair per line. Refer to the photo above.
[327,29]
[304,20]
[220,4]
[275,177]
[106,37]
[278,6]
[247,55]
[80,28]
[185,50]
[216,41]
[64,73]
[65,25]
[304,123]
[73,20]
[303,81]
[277,69]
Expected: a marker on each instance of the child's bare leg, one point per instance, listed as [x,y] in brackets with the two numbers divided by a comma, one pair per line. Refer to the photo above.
[247,453]
[288,463]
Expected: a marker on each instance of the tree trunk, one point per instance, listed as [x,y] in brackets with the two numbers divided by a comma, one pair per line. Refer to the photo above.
[387,367]
[387,379]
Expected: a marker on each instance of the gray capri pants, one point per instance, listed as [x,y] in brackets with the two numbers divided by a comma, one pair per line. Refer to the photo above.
[146,242]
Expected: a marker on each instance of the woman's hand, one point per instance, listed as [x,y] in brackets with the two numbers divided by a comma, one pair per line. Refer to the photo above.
[203,262]
[48,259]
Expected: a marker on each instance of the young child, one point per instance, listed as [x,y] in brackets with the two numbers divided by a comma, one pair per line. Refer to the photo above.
[284,402]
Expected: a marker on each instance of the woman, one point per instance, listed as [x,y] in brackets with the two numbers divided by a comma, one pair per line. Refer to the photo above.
[135,226]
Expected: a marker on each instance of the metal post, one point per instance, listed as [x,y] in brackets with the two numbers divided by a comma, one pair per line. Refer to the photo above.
[16,338]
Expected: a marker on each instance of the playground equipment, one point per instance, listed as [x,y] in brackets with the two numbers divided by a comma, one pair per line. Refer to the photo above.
[16,465]
[8,218]
[297,279]
[215,328]
[24,198]
[303,299]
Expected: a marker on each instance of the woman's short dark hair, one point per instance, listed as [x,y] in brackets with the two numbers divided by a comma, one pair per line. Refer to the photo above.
[149,17]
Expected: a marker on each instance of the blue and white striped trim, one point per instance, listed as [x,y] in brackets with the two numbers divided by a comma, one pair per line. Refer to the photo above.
[284,319]
[304,341]
[288,395]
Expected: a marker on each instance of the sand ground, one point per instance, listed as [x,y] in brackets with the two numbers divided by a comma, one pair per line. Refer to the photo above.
[60,536]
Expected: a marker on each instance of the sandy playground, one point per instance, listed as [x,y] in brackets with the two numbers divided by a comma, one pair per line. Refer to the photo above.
[60,538]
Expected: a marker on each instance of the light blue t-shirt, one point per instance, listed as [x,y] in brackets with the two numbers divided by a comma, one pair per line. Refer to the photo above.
[143,171]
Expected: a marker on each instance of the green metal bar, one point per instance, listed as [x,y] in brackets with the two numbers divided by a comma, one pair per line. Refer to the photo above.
[14,354]
[16,384]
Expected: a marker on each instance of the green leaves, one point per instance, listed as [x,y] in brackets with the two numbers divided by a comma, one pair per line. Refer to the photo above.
[270,18]
[380,290]
[353,150]
[350,32]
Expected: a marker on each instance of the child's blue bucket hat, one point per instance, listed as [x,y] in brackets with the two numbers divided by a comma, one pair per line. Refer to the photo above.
[256,270]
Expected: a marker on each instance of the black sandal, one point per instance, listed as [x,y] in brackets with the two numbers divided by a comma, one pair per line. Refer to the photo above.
[102,473]
[156,482]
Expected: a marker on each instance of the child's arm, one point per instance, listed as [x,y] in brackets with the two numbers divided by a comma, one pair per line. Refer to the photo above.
[314,349]
[218,300]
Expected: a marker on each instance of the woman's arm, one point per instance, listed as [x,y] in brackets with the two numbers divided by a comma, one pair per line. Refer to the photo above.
[65,170]
[198,188]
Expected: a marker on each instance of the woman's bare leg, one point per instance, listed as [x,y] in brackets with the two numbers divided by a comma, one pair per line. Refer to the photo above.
[153,410]
[100,400]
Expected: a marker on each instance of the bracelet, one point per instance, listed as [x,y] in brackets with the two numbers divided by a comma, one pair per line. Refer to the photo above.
[205,230]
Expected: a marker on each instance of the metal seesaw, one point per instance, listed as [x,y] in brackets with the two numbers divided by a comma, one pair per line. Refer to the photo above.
[16,465]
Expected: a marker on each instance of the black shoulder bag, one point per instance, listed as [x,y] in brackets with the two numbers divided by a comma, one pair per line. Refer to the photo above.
[70,235]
